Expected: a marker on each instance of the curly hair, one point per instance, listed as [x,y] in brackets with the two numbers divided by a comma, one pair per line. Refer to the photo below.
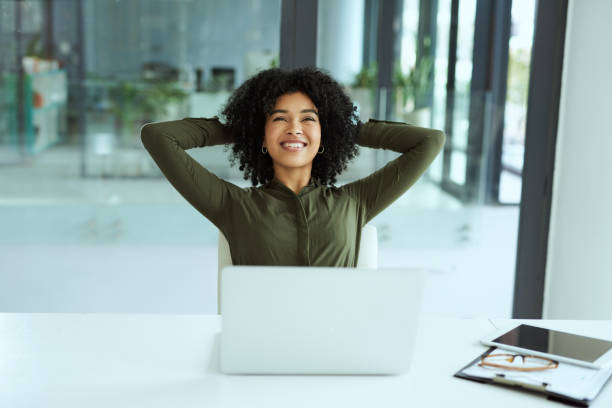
[248,107]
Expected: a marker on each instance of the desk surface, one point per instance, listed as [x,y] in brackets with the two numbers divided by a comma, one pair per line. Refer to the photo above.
[106,360]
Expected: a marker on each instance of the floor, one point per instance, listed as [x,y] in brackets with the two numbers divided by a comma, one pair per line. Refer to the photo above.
[134,245]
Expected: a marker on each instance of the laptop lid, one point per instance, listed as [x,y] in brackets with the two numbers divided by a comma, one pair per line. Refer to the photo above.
[318,320]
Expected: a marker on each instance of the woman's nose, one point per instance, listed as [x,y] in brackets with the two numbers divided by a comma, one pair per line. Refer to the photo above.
[294,128]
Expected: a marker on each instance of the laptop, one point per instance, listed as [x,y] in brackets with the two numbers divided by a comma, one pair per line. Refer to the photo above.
[318,320]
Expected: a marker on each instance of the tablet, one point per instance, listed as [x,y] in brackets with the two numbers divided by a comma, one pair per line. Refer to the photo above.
[557,345]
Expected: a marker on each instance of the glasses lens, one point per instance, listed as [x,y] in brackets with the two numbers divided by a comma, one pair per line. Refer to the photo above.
[503,360]
[517,362]
[536,362]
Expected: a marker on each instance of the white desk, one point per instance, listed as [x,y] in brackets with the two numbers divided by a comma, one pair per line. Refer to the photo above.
[105,360]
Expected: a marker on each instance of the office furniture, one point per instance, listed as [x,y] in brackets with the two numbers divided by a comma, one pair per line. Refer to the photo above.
[368,255]
[45,95]
[130,360]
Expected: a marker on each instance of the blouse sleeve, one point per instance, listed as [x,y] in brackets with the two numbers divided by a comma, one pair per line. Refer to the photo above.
[166,142]
[419,147]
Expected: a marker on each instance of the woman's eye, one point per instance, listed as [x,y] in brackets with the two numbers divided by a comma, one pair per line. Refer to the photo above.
[282,118]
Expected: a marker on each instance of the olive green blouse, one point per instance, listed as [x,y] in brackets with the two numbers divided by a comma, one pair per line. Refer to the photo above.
[272,225]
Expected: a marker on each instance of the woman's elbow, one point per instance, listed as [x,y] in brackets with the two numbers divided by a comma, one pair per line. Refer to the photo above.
[147,133]
[440,138]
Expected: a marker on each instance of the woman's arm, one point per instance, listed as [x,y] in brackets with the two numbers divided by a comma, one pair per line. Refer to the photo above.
[166,142]
[419,147]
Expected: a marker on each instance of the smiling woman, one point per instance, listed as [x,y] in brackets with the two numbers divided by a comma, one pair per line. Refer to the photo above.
[273,101]
[293,132]
[292,138]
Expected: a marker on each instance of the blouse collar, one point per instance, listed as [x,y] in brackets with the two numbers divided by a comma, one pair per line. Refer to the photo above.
[277,185]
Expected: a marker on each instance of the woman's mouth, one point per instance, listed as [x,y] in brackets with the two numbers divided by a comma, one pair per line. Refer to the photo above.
[293,146]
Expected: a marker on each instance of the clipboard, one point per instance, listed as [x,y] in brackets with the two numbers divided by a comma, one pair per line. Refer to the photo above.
[577,386]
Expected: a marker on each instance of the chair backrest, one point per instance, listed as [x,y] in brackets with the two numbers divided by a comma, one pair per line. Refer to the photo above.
[368,255]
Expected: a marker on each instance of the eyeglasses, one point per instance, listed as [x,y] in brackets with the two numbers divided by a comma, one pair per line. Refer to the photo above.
[526,362]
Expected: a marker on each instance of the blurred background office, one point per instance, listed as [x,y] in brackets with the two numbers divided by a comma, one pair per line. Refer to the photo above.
[88,223]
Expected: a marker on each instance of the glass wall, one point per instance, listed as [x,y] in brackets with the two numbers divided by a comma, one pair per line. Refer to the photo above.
[165,60]
[81,197]
[515,114]
[340,51]
[444,223]
[80,78]
[463,78]
[440,77]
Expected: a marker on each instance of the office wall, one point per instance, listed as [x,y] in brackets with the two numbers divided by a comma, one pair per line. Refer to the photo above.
[579,267]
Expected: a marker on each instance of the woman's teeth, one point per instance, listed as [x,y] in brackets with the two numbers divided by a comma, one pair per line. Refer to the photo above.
[293,145]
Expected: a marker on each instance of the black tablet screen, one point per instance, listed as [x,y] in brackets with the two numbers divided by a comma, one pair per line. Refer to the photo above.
[555,342]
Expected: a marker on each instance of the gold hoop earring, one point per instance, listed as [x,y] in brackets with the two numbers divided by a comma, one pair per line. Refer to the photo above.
[322,149]
[264,150]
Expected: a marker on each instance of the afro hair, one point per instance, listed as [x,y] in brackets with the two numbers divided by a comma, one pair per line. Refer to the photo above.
[249,106]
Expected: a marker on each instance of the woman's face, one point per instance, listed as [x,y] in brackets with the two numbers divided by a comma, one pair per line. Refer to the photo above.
[293,132]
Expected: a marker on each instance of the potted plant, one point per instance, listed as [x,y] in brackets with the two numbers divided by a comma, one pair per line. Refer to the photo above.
[134,104]
[412,91]
[363,90]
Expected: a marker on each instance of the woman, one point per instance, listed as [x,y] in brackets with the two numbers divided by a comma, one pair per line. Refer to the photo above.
[293,133]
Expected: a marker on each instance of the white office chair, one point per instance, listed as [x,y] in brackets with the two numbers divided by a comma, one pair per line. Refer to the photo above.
[368,255]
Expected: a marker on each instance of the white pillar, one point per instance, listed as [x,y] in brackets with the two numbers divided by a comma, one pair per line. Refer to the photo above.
[579,267]
[340,38]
